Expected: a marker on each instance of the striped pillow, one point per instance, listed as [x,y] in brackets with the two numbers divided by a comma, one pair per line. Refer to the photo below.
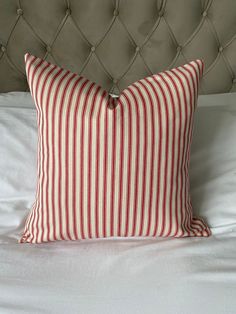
[112,169]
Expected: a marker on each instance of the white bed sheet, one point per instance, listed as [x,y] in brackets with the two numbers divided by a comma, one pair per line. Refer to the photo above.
[166,276]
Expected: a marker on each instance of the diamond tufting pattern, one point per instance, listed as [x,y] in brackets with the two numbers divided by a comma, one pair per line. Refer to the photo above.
[116,42]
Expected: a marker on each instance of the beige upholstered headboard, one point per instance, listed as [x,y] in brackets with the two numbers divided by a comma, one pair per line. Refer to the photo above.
[116,42]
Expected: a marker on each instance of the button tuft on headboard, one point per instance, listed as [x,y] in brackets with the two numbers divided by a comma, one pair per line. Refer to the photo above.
[221,49]
[19,12]
[68,11]
[179,48]
[115,12]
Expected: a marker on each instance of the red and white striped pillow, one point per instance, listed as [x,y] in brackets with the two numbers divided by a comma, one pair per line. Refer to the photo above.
[112,169]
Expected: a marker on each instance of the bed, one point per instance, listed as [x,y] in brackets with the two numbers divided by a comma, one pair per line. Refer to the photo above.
[133,276]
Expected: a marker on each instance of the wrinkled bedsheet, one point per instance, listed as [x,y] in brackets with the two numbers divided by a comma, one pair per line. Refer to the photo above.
[167,276]
[125,276]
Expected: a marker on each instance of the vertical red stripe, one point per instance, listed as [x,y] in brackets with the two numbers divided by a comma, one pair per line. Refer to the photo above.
[97,170]
[122,105]
[82,178]
[105,149]
[129,154]
[113,158]
[90,140]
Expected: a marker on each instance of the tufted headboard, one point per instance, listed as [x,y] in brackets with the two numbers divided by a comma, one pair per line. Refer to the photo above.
[116,42]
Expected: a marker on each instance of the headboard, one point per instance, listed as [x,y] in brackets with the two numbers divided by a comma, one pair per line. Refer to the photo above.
[116,42]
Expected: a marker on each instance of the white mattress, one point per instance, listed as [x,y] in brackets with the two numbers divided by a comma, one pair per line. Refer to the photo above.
[166,276]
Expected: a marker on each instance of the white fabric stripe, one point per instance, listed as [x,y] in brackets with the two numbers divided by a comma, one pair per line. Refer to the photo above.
[101,169]
[110,188]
